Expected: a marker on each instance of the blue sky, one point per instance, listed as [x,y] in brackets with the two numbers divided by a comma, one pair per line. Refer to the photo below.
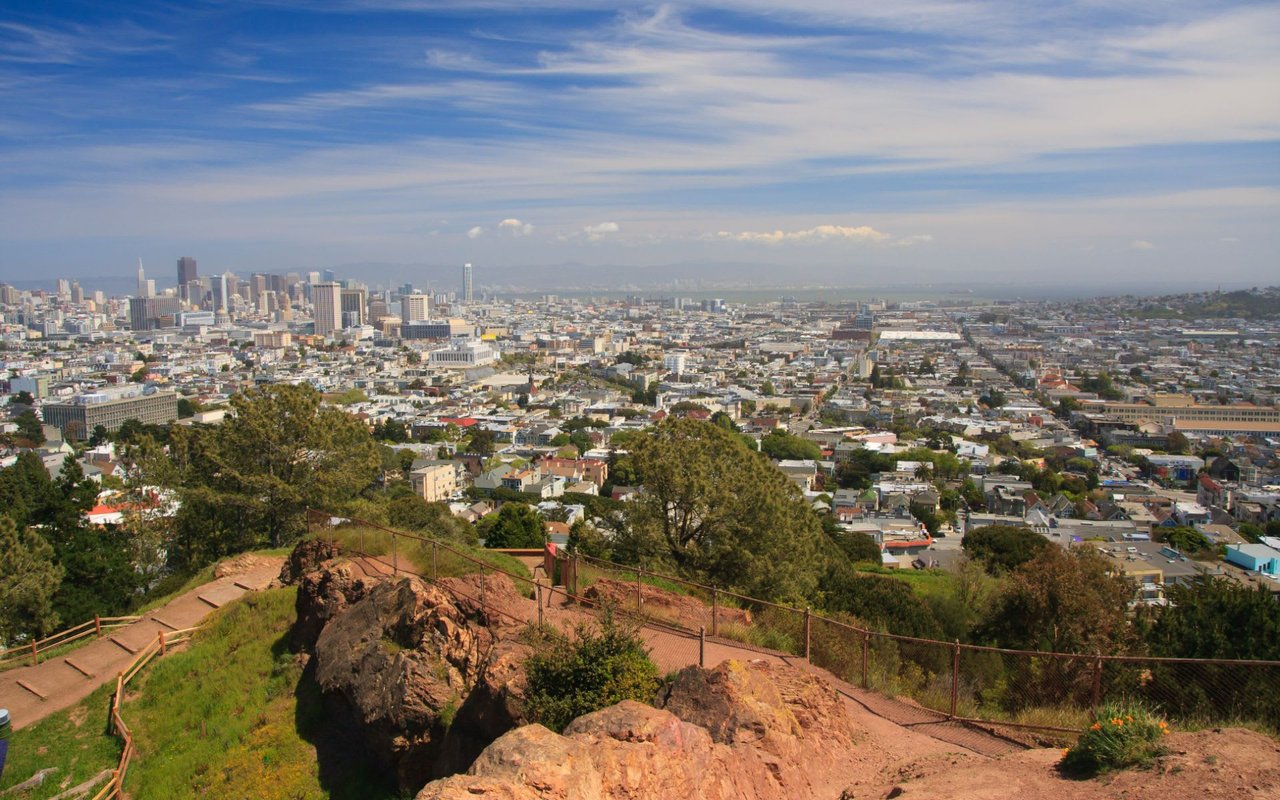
[916,139]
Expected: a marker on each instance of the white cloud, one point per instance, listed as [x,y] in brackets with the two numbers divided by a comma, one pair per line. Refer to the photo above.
[475,232]
[1141,244]
[515,227]
[818,233]
[595,233]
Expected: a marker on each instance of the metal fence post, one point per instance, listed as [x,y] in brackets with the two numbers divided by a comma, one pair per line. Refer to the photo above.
[808,620]
[539,585]
[715,615]
[576,564]
[1097,680]
[638,571]
[866,659]
[955,676]
[395,561]
[363,552]
[702,645]
[435,560]
[482,586]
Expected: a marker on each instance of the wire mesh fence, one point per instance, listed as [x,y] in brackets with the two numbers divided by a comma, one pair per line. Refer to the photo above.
[940,680]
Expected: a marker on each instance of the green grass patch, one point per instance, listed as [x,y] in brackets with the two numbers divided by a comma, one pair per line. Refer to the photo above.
[925,583]
[75,742]
[235,715]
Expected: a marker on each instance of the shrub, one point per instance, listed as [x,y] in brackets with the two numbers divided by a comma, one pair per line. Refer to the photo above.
[1123,734]
[595,667]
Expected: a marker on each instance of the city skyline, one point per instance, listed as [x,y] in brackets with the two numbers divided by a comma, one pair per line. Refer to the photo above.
[929,141]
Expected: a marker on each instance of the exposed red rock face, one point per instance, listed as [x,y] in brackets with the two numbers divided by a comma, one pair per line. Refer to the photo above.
[750,731]
[426,676]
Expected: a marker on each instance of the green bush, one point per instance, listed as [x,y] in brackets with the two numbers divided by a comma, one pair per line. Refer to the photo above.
[595,667]
[1123,734]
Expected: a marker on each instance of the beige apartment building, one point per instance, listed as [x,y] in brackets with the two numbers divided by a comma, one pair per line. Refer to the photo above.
[435,483]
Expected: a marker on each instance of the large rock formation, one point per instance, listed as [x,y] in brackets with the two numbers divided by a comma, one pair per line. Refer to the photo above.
[426,675]
[752,731]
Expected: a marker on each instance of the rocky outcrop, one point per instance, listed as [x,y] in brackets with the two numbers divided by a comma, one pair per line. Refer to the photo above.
[307,557]
[426,675]
[752,731]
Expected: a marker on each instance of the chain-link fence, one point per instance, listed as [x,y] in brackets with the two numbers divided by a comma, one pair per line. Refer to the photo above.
[941,680]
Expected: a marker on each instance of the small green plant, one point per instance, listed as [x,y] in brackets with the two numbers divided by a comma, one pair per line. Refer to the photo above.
[1123,734]
[593,668]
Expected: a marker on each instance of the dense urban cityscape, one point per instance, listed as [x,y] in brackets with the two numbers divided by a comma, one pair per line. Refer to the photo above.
[696,399]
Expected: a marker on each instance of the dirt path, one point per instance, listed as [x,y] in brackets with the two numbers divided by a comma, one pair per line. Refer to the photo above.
[32,693]
[912,730]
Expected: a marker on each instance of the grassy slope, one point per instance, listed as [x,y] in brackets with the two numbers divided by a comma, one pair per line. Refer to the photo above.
[235,716]
[73,741]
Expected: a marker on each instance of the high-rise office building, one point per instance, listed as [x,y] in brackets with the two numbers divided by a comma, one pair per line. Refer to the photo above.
[149,313]
[353,307]
[415,308]
[326,301]
[186,274]
[467,294]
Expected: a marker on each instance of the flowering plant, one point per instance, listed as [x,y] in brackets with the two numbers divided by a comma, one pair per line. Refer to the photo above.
[1122,735]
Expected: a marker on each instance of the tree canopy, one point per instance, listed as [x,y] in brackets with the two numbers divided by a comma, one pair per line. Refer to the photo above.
[1002,548]
[249,480]
[722,513]
[515,525]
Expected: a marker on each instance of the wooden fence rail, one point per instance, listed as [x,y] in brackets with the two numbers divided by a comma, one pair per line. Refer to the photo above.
[35,647]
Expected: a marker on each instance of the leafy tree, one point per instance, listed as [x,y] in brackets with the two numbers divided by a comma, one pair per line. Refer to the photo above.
[931,520]
[99,576]
[23,398]
[779,445]
[587,539]
[187,407]
[721,513]
[98,436]
[858,546]
[1185,540]
[29,428]
[410,512]
[880,601]
[1222,619]
[724,421]
[1062,601]
[515,525]
[1178,443]
[29,578]
[767,389]
[1003,548]
[248,481]
[482,442]
[993,398]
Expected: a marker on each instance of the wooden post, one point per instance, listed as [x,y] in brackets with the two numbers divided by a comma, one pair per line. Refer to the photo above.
[160,636]
[35,653]
[715,616]
[97,625]
[702,645]
[866,659]
[955,676]
[807,638]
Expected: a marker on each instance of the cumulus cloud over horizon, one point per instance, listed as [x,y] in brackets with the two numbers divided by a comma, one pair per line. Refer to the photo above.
[818,233]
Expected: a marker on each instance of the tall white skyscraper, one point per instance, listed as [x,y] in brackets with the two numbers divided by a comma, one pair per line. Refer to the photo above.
[415,308]
[142,281]
[326,299]
[468,296]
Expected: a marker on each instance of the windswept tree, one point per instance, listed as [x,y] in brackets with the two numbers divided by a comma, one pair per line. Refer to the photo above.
[248,481]
[722,513]
[29,579]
